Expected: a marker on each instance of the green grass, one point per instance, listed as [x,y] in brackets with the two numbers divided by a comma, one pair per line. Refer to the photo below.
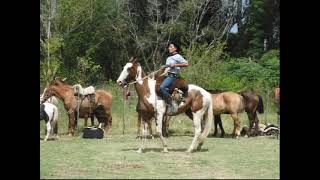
[115,156]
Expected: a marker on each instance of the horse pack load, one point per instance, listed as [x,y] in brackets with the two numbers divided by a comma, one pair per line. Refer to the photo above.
[93,133]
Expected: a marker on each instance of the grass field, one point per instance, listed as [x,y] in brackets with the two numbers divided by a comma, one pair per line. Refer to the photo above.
[115,156]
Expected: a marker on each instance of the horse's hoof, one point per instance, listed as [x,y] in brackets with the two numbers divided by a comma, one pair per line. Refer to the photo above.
[139,150]
[165,150]
[214,134]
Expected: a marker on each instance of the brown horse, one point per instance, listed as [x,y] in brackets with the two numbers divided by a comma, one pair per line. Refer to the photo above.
[151,105]
[101,107]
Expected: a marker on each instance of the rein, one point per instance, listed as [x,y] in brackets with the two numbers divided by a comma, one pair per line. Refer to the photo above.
[152,73]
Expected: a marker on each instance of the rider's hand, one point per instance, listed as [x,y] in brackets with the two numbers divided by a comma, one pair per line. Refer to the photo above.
[163,67]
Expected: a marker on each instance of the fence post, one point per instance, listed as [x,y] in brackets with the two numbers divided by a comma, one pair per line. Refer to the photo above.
[125,100]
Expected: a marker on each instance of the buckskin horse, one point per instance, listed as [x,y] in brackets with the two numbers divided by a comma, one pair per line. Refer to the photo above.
[232,103]
[151,105]
[101,107]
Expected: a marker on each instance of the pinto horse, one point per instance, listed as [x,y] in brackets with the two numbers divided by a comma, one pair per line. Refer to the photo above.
[49,113]
[101,107]
[151,105]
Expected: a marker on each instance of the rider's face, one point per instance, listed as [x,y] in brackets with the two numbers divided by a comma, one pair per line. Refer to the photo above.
[172,48]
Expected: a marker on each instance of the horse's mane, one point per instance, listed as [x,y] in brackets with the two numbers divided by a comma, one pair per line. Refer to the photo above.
[215,91]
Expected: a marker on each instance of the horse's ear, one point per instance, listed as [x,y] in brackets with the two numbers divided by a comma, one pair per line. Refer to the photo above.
[64,79]
[133,59]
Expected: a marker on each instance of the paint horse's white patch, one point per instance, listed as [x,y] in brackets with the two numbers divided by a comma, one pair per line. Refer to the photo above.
[139,75]
[124,74]
[206,95]
[153,98]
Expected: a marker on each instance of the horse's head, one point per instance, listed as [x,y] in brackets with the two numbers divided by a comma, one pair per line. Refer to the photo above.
[131,71]
[51,89]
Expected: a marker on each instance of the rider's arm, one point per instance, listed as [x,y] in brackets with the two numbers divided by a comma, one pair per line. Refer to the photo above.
[180,65]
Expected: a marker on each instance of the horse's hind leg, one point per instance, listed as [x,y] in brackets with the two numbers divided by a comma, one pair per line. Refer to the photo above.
[159,120]
[251,122]
[197,130]
[86,121]
[165,126]
[216,119]
[256,123]
[236,128]
[55,128]
[138,125]
[150,128]
[92,119]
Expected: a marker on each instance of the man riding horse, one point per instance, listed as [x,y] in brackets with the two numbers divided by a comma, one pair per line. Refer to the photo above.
[173,67]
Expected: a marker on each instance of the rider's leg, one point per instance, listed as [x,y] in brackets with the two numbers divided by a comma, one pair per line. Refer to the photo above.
[166,84]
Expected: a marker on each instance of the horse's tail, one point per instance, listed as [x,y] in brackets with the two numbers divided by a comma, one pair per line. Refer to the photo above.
[55,119]
[208,123]
[260,105]
[55,114]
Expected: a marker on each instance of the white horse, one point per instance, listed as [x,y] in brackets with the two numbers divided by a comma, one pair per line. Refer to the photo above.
[49,113]
[198,99]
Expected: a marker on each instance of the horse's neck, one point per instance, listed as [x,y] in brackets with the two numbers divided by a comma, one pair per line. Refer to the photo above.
[66,95]
[142,87]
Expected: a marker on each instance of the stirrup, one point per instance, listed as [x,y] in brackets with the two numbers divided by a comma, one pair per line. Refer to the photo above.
[171,109]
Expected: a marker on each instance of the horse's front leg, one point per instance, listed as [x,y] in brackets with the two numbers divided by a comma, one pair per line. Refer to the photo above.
[161,109]
[143,138]
[48,127]
[71,124]
[216,119]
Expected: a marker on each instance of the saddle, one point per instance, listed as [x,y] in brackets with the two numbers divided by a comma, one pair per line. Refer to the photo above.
[179,83]
[88,92]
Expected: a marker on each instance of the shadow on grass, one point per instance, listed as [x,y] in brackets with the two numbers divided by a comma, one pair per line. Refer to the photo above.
[160,150]
[49,139]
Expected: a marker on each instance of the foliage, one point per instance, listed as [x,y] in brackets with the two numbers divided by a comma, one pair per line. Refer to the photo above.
[91,40]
